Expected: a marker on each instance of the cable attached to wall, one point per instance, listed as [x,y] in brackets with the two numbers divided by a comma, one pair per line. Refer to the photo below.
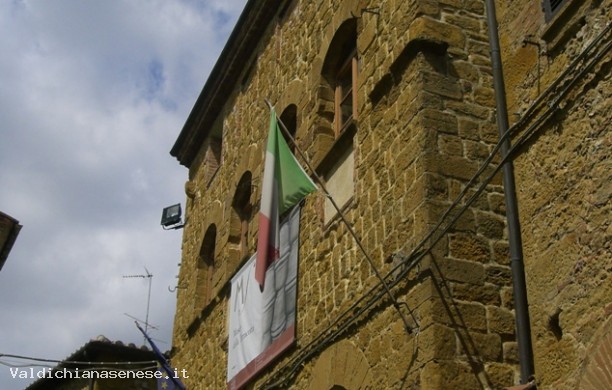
[408,262]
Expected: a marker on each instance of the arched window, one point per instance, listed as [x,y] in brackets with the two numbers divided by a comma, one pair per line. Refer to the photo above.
[337,366]
[340,70]
[339,90]
[240,218]
[214,146]
[289,119]
[206,268]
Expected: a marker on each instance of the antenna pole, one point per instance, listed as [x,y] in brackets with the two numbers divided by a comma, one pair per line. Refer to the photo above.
[148,301]
[149,276]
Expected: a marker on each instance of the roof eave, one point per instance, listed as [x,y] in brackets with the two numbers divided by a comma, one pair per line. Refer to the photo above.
[5,248]
[241,45]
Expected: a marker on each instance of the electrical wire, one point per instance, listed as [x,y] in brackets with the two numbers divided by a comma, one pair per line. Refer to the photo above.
[532,108]
[79,369]
[25,365]
[34,359]
[552,108]
[521,140]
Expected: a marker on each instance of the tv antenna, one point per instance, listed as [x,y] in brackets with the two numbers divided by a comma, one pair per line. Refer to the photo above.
[148,276]
[151,326]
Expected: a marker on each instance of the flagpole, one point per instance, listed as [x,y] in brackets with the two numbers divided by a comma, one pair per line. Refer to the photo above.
[162,360]
[286,132]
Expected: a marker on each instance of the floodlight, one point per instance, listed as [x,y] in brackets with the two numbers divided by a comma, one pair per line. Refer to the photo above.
[171,217]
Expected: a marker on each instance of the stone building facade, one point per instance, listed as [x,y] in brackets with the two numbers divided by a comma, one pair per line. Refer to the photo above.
[393,105]
[559,98]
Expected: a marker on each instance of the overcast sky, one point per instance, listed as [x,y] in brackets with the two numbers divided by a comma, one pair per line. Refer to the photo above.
[93,95]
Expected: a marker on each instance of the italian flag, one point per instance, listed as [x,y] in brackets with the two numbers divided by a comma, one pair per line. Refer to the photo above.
[285,183]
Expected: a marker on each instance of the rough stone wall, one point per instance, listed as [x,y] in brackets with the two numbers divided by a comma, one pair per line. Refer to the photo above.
[563,179]
[426,125]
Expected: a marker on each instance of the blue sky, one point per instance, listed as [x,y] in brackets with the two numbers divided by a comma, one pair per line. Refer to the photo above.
[92,97]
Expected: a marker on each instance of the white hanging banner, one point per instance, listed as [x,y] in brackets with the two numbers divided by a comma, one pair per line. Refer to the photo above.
[262,324]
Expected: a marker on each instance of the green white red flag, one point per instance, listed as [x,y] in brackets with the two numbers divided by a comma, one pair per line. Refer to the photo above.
[285,183]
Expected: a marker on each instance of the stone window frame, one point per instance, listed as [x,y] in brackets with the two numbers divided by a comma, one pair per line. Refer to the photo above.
[341,365]
[206,269]
[213,157]
[241,215]
[341,148]
[341,62]
[568,16]
[348,72]
[551,7]
[340,70]
[289,118]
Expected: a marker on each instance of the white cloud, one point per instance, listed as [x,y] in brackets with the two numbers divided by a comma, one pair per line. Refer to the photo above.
[94,94]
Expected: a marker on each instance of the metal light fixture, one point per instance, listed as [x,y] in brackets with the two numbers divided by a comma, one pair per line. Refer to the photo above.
[171,217]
